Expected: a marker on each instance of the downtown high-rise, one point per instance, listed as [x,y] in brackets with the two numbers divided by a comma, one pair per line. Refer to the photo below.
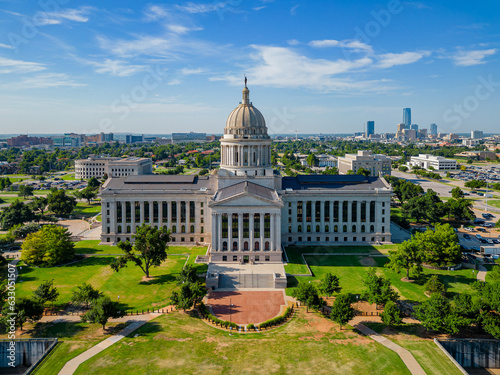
[407,117]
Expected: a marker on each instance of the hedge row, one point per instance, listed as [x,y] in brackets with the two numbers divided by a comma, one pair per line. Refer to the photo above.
[277,320]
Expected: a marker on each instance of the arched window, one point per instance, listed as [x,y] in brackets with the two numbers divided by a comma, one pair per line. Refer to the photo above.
[363,229]
[191,229]
[119,228]
[183,229]
[308,229]
[289,229]
[257,245]
[235,245]
[245,245]
[224,245]
[201,230]
[299,229]
[128,228]
[372,228]
[344,229]
[336,228]
[174,229]
[266,245]
[327,228]
[317,228]
[354,229]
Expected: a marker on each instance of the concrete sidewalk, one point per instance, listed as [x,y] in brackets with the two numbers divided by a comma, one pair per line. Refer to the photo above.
[71,366]
[481,273]
[408,359]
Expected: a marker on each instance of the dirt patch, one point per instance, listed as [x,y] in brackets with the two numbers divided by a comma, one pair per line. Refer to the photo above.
[163,337]
[367,261]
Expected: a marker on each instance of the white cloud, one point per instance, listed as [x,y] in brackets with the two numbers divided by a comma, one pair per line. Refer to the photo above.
[187,71]
[469,58]
[8,66]
[155,12]
[293,10]
[191,7]
[355,45]
[173,82]
[389,60]
[75,15]
[43,81]
[6,46]
[180,29]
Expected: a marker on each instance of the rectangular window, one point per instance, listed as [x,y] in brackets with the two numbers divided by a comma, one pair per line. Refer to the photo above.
[183,211]
[118,212]
[257,258]
[156,212]
[164,211]
[372,212]
[317,211]
[354,211]
[235,226]
[268,258]
[345,212]
[224,226]
[336,211]
[146,212]
[174,212]
[363,212]
[137,210]
[246,225]
[256,225]
[327,211]
[308,211]
[128,212]
[224,258]
[192,212]
[299,212]
[267,225]
[235,258]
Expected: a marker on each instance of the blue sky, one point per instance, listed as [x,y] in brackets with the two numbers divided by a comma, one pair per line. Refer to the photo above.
[312,66]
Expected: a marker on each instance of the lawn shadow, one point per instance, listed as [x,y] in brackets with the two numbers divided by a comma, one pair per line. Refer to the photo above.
[59,330]
[149,327]
[292,282]
[161,279]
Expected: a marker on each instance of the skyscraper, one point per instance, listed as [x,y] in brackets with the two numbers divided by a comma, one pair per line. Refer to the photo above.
[434,129]
[414,127]
[407,117]
[370,128]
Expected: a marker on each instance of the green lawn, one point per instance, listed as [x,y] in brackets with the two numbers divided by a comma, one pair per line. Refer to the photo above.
[180,344]
[93,247]
[85,209]
[68,176]
[351,270]
[11,199]
[134,293]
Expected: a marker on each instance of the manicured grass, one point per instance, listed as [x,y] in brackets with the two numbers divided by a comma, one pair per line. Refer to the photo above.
[85,209]
[93,247]
[178,343]
[352,269]
[11,199]
[68,176]
[134,293]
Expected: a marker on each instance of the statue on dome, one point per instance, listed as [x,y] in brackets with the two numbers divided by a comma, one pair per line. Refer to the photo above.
[245,80]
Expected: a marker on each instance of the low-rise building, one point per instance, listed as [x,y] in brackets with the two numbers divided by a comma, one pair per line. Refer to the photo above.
[437,163]
[113,167]
[377,164]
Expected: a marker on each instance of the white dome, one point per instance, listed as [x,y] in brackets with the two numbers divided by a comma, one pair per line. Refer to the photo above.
[246,119]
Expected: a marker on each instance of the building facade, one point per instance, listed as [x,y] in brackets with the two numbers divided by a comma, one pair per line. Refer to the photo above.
[476,134]
[112,167]
[370,128]
[407,117]
[245,211]
[439,163]
[377,164]
[433,129]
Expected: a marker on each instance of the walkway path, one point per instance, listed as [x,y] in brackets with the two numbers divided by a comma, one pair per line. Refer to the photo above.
[481,273]
[408,359]
[71,366]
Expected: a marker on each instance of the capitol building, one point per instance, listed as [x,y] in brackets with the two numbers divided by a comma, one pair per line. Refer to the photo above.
[245,211]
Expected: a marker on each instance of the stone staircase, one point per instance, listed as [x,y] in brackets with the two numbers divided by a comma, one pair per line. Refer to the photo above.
[246,281]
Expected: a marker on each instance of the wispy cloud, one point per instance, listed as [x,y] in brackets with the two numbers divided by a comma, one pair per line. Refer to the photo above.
[416,4]
[191,7]
[187,71]
[180,29]
[389,60]
[74,15]
[6,46]
[44,81]
[469,58]
[155,13]
[355,45]
[114,67]
[8,66]
[293,10]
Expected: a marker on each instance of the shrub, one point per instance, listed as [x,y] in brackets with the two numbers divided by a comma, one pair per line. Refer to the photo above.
[250,326]
[277,320]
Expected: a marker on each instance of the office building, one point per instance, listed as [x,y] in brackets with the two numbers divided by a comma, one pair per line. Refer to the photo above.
[370,128]
[407,117]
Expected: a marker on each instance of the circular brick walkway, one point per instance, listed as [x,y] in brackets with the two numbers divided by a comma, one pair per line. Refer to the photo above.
[247,307]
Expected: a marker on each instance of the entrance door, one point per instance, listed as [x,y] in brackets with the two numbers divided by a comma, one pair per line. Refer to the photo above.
[245,259]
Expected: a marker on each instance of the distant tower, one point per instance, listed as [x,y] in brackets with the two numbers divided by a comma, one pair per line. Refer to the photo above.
[434,129]
[370,128]
[414,127]
[407,117]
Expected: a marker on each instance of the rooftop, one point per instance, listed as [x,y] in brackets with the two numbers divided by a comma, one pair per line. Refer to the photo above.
[157,183]
[338,182]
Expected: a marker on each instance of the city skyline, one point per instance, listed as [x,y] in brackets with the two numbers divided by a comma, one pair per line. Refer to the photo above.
[161,67]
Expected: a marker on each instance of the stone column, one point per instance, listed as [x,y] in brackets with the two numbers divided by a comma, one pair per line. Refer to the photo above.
[251,229]
[188,218]
[313,216]
[141,209]
[132,216]
[331,217]
[349,216]
[160,214]
[341,215]
[124,221]
[322,216]
[178,216]
[112,217]
[294,217]
[214,232]
[218,234]
[278,232]
[151,213]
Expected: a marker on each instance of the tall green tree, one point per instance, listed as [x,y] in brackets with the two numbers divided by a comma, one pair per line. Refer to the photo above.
[93,183]
[88,194]
[187,275]
[378,288]
[102,310]
[307,294]
[85,294]
[38,206]
[46,292]
[149,250]
[437,314]
[25,191]
[391,314]
[342,311]
[60,203]
[461,209]
[330,285]
[439,246]
[50,246]
[17,213]
[189,295]
[457,193]
[26,309]
[409,257]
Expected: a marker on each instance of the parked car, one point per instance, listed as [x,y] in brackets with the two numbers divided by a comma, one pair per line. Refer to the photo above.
[466,236]
[488,225]
[480,230]
[478,236]
[482,240]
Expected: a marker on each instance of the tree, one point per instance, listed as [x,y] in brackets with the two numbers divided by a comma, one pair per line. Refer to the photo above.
[434,285]
[16,213]
[50,246]
[439,246]
[102,310]
[330,285]
[342,311]
[149,250]
[408,256]
[86,294]
[497,225]
[60,203]
[363,172]
[46,292]
[379,289]
[391,314]
[189,295]
[403,168]
[26,309]
[88,194]
[457,193]
[307,294]
[461,209]
[25,191]
[312,160]
[475,184]
[187,275]
[38,205]
[438,315]
[93,183]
